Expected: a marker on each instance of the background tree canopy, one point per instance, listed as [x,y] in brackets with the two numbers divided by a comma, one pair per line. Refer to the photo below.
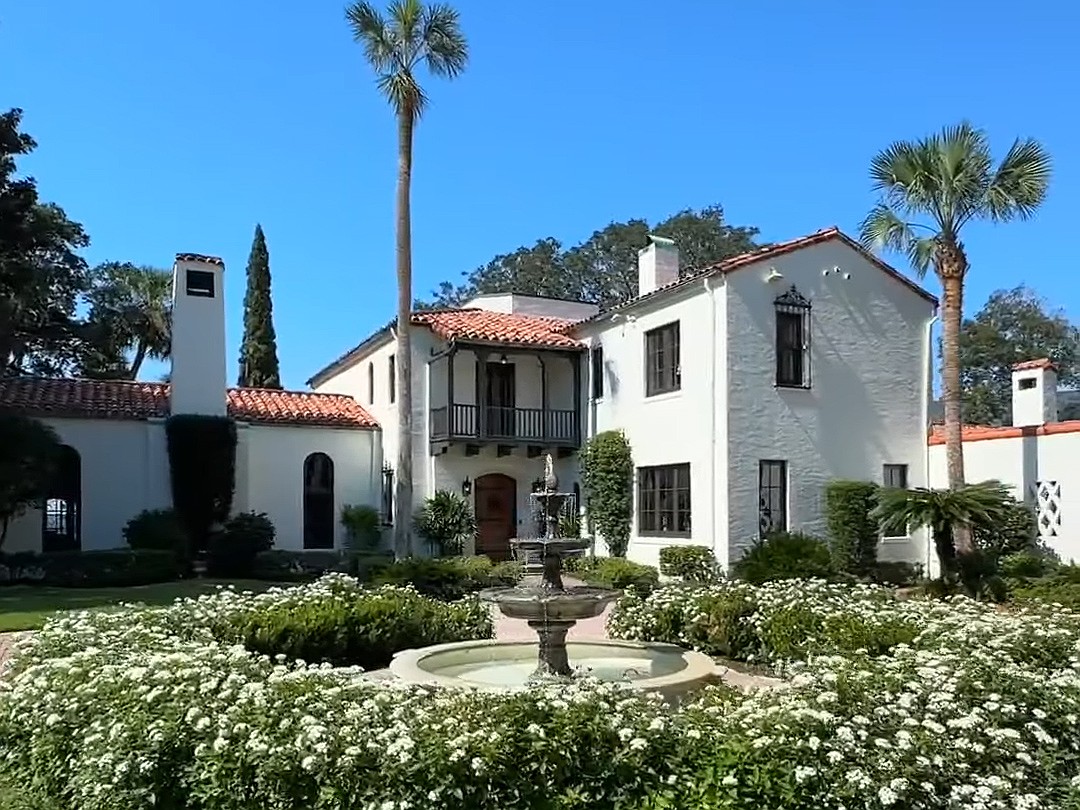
[1014,325]
[603,268]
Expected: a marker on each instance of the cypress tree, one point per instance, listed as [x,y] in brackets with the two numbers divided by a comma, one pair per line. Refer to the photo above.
[258,352]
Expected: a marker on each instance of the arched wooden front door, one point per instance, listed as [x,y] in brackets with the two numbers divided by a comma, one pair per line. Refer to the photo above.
[496,514]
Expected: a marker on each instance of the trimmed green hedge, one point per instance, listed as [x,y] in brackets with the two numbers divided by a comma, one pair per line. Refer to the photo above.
[113,568]
[618,573]
[691,563]
[785,555]
[853,534]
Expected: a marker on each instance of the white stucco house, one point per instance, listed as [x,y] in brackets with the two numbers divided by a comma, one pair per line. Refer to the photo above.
[300,455]
[1037,456]
[742,388]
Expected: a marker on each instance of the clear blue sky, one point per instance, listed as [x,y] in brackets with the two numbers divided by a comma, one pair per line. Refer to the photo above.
[168,127]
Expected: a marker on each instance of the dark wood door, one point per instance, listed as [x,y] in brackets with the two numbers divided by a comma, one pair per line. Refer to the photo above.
[500,399]
[496,514]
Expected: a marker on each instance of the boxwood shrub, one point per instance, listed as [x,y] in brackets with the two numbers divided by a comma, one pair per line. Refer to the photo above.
[613,572]
[691,563]
[785,555]
[853,534]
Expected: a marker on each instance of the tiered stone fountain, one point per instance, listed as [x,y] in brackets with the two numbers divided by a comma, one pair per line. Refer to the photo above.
[551,609]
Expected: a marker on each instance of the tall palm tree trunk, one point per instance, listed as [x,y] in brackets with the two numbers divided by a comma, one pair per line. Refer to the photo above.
[403,474]
[137,361]
[952,285]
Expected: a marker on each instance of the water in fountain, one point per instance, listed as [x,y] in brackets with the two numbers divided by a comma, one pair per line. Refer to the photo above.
[549,607]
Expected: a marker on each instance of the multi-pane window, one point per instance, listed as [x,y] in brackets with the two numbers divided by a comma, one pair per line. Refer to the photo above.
[664,500]
[61,519]
[772,497]
[792,340]
[662,372]
[391,373]
[388,496]
[597,371]
[894,476]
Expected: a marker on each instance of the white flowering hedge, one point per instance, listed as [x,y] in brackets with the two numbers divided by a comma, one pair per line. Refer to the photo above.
[973,708]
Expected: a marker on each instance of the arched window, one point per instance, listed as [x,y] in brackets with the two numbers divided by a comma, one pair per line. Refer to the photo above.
[61,516]
[318,501]
[371,383]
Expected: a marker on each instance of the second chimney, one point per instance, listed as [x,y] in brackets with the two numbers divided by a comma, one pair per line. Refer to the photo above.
[1034,393]
[658,264]
[197,378]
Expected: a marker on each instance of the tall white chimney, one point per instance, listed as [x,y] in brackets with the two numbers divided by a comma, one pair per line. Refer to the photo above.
[1034,393]
[658,264]
[198,335]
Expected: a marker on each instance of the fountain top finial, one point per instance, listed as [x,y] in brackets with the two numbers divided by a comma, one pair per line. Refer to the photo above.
[551,482]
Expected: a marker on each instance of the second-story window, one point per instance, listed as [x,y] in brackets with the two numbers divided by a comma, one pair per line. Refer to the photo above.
[662,372]
[597,371]
[792,340]
[371,383]
[391,373]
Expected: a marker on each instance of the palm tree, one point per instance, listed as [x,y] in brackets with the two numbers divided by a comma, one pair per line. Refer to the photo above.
[131,309]
[410,36]
[984,507]
[949,179]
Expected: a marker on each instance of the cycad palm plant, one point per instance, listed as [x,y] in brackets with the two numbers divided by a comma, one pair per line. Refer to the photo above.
[947,180]
[412,35]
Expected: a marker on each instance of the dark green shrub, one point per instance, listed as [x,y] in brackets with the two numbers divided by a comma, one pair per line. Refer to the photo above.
[617,573]
[785,555]
[1061,588]
[691,563]
[114,568]
[279,565]
[160,530]
[895,574]
[1026,565]
[447,578]
[365,631]
[853,534]
[363,527]
[446,521]
[21,568]
[1014,531]
[607,478]
[722,627]
[231,552]
[29,451]
[202,470]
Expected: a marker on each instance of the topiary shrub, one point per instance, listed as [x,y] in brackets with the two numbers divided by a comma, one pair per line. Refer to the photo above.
[446,521]
[202,470]
[363,527]
[617,573]
[690,563]
[607,477]
[785,555]
[853,534]
[232,551]
[160,530]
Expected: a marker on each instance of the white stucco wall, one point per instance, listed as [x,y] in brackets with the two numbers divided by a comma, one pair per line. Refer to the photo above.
[124,471]
[866,405]
[672,428]
[1022,462]
[532,305]
[272,461]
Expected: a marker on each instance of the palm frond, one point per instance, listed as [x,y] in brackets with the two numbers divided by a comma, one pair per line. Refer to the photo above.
[883,229]
[371,30]
[403,92]
[445,48]
[962,163]
[1020,184]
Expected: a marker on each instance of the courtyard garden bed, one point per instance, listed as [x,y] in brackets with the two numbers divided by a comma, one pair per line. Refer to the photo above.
[891,704]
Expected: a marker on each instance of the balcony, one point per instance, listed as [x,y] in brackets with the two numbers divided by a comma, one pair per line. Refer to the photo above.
[547,427]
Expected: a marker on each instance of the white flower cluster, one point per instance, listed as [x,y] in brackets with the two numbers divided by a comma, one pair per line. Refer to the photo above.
[891,704]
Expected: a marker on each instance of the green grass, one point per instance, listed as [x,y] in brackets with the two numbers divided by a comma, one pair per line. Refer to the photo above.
[26,607]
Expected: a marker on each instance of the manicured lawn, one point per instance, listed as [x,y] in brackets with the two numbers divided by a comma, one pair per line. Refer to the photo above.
[25,607]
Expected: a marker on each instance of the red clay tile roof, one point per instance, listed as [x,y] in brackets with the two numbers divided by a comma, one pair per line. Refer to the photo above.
[771,252]
[1042,362]
[199,257]
[101,399]
[979,433]
[497,327]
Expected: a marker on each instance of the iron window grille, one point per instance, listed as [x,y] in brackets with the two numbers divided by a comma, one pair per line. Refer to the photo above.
[792,339]
[387,495]
[772,497]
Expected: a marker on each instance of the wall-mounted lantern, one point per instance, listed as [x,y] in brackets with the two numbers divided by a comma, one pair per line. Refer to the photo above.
[466,487]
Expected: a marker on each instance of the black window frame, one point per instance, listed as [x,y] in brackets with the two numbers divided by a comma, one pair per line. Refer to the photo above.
[371,382]
[772,496]
[663,369]
[658,483]
[792,339]
[61,506]
[596,367]
[391,373]
[200,283]
[387,496]
[319,528]
[891,472]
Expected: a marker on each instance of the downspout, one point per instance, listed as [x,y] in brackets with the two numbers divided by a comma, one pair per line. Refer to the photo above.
[928,390]
[711,291]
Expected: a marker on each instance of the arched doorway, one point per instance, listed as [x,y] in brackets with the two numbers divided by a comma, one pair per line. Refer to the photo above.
[318,501]
[61,514]
[496,514]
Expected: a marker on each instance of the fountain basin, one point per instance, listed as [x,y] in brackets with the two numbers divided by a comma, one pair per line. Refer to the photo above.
[503,666]
[535,604]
